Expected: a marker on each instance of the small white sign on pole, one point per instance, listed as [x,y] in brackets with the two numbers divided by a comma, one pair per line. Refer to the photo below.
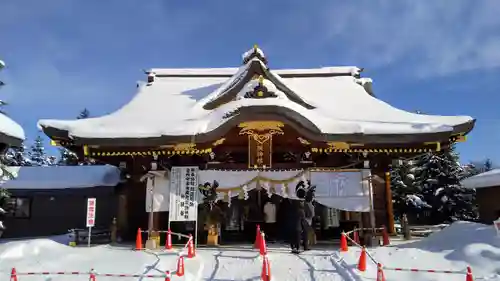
[91,207]
[496,224]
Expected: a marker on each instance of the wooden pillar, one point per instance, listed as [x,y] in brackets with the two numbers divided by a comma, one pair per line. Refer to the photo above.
[122,217]
[156,221]
[390,210]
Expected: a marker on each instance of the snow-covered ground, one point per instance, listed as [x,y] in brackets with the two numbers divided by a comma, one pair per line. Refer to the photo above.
[454,248]
[45,255]
[460,245]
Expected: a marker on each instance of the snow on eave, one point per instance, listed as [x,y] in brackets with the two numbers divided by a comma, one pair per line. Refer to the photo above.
[230,71]
[11,128]
[61,177]
[487,179]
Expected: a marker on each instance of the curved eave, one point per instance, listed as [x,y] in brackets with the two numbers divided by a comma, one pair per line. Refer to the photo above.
[291,118]
[10,140]
[11,133]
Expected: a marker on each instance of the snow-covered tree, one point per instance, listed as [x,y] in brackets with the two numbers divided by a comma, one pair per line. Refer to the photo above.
[439,174]
[84,114]
[407,195]
[16,156]
[4,173]
[37,154]
[478,167]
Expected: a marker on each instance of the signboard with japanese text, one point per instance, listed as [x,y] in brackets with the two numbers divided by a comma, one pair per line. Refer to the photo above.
[91,207]
[183,194]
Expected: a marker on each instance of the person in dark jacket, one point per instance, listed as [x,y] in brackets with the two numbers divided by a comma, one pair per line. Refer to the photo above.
[300,229]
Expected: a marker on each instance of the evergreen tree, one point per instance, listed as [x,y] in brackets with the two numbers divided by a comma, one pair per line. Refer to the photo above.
[83,114]
[16,156]
[487,165]
[439,175]
[4,172]
[475,168]
[67,157]
[37,154]
[406,194]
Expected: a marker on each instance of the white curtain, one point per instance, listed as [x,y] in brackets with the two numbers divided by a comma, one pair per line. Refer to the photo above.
[342,190]
[226,179]
[232,179]
[285,175]
[159,184]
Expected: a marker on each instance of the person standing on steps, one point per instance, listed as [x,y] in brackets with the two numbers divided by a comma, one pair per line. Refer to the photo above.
[270,220]
[300,232]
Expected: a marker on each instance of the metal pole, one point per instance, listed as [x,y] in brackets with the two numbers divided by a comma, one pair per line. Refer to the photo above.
[196,230]
[151,214]
[372,211]
[90,235]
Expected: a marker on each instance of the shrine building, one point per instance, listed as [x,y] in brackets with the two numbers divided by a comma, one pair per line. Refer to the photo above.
[258,135]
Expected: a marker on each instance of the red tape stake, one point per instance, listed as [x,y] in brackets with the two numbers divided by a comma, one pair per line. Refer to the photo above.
[13,274]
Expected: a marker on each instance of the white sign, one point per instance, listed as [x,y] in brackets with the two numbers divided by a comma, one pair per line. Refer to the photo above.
[341,190]
[183,194]
[91,207]
[157,193]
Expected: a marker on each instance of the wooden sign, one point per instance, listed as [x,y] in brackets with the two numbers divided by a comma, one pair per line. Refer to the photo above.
[260,142]
[260,151]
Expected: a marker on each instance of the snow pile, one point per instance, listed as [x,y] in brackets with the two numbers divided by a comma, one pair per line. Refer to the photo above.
[460,245]
[46,255]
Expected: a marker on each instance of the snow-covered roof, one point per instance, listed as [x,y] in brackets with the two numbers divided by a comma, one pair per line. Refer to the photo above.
[61,177]
[230,71]
[10,132]
[189,105]
[486,179]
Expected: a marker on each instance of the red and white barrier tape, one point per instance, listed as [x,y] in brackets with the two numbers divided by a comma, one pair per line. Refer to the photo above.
[92,273]
[365,228]
[166,231]
[359,246]
[53,273]
[425,270]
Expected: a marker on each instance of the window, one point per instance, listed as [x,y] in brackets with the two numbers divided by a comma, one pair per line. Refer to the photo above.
[19,207]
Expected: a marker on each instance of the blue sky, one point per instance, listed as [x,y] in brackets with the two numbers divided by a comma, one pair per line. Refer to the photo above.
[439,57]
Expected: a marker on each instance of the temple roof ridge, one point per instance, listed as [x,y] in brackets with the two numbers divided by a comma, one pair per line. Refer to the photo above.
[187,105]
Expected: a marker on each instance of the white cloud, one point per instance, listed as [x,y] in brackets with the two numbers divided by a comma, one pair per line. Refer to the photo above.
[438,37]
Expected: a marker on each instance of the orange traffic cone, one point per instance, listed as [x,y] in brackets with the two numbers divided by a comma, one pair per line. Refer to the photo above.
[469,276]
[167,275]
[266,270]
[191,253]
[356,237]
[380,273]
[138,240]
[362,260]
[343,243]
[180,266]
[13,274]
[262,246]
[257,238]
[168,243]
[385,236]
